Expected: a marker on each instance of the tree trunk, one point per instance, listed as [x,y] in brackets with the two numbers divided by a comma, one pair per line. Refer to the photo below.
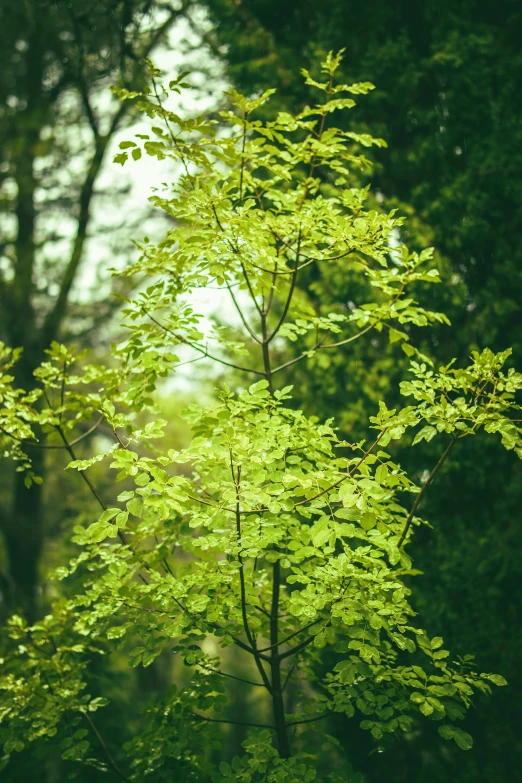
[23,527]
[24,539]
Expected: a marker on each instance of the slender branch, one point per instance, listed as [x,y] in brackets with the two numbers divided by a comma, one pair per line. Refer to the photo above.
[232,676]
[249,286]
[296,649]
[245,117]
[36,445]
[262,609]
[212,505]
[232,722]
[246,626]
[83,473]
[94,491]
[271,292]
[282,271]
[196,347]
[355,336]
[275,665]
[418,499]
[310,720]
[296,633]
[304,355]
[314,156]
[56,314]
[62,390]
[167,125]
[241,315]
[104,746]
[309,259]
[290,293]
[344,476]
[288,675]
[226,508]
[320,344]
[235,250]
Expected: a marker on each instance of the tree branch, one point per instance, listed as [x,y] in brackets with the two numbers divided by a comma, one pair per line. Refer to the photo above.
[246,626]
[296,633]
[232,722]
[418,499]
[56,315]
[104,746]
[344,476]
[290,293]
[241,315]
[36,445]
[232,676]
[198,348]
[310,720]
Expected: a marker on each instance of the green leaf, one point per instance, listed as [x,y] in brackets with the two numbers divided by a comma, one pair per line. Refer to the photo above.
[462,738]
[108,514]
[368,520]
[135,506]
[426,708]
[496,679]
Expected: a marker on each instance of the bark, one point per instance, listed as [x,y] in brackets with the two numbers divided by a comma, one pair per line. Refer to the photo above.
[23,536]
[23,526]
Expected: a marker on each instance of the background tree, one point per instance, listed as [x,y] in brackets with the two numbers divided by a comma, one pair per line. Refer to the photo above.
[55,59]
[447,101]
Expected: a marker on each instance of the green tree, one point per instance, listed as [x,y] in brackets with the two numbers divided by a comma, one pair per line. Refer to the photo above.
[269,533]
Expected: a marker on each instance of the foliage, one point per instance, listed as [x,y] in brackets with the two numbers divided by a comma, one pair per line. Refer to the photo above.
[447,103]
[269,533]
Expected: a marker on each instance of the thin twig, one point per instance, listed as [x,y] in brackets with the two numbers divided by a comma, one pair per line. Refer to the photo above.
[232,676]
[232,722]
[310,720]
[296,633]
[288,675]
[196,347]
[104,746]
[290,293]
[246,626]
[344,476]
[245,117]
[418,499]
[36,445]
[241,314]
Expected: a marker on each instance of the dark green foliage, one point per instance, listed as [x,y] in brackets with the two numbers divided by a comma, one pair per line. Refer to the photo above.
[448,102]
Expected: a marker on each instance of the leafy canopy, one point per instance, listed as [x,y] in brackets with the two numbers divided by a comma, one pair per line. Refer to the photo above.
[268,533]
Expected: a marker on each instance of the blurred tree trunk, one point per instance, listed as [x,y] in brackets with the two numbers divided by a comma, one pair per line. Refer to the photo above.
[23,528]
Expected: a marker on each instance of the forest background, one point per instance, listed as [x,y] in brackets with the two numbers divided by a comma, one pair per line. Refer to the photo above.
[448,103]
